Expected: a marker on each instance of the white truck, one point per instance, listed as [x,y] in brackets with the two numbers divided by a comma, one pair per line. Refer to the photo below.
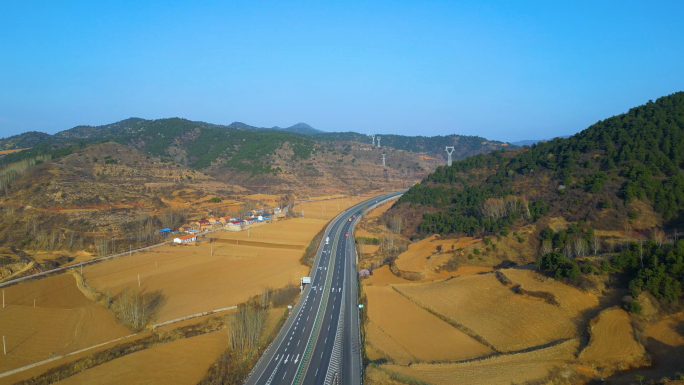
[327,240]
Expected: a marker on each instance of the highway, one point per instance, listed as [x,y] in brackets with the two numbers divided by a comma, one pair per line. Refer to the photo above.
[320,341]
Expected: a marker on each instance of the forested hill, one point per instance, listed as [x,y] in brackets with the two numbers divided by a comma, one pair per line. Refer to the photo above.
[638,155]
[239,146]
[608,199]
[434,146]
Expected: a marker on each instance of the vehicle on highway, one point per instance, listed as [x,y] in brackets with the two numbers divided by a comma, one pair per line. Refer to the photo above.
[327,240]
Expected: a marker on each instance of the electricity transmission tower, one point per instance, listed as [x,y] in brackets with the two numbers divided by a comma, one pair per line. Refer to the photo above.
[449,150]
[378,141]
[373,136]
[383,159]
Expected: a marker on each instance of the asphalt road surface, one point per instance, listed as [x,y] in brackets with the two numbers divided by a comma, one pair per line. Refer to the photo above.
[305,351]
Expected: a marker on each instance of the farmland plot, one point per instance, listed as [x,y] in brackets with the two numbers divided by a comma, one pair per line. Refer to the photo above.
[505,369]
[422,334]
[481,304]
[63,320]
[612,338]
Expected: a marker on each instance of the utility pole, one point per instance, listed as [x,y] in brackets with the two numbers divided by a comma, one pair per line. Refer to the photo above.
[383,159]
[449,150]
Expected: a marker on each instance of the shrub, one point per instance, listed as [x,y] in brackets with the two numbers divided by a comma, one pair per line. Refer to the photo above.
[476,251]
[470,256]
[215,200]
[633,214]
[559,265]
[635,307]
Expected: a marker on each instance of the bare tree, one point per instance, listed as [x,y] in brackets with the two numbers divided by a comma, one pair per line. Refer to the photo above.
[641,251]
[360,242]
[396,224]
[658,236]
[525,209]
[546,247]
[567,250]
[581,246]
[596,244]
[245,326]
[494,207]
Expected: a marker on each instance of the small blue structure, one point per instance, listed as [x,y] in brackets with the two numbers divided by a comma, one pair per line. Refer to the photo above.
[164,231]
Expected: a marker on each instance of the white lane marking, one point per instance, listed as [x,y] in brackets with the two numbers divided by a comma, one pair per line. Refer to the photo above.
[297,359]
[288,357]
[298,342]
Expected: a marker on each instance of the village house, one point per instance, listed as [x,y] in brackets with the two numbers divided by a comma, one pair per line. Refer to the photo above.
[185,239]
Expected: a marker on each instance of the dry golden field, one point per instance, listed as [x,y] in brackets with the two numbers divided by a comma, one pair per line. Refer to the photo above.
[570,298]
[383,276]
[428,255]
[193,280]
[327,208]
[506,320]
[62,321]
[505,369]
[612,340]
[182,361]
[424,336]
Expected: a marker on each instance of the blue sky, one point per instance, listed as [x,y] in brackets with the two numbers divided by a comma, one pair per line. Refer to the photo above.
[503,70]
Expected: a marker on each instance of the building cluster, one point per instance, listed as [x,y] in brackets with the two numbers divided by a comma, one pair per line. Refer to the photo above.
[188,233]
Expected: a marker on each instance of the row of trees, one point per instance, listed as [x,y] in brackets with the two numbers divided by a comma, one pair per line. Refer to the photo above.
[135,308]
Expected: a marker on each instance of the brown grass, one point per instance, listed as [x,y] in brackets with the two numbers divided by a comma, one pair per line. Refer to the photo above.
[424,259]
[505,369]
[193,281]
[423,335]
[64,320]
[612,341]
[483,305]
[181,361]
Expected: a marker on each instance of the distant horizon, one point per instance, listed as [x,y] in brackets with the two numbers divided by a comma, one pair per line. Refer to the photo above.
[500,70]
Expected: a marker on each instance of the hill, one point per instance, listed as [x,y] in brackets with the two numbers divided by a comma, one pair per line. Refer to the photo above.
[299,128]
[247,154]
[530,142]
[613,187]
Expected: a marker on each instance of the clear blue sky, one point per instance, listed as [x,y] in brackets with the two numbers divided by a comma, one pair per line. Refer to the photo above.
[502,69]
